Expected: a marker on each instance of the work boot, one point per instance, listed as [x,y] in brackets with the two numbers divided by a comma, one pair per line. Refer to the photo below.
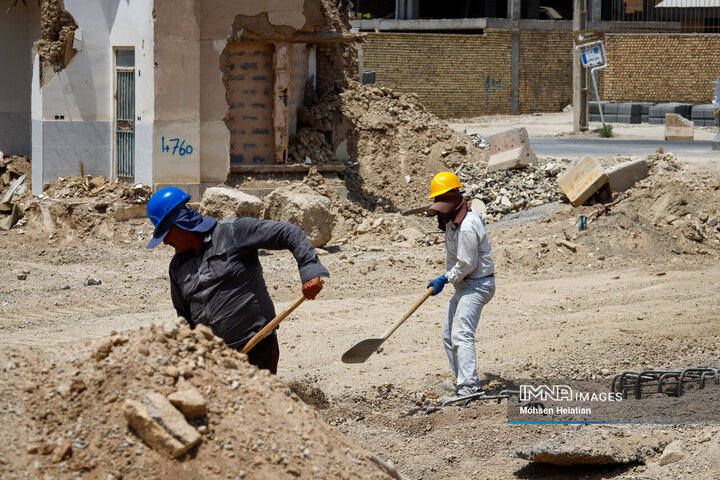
[449,386]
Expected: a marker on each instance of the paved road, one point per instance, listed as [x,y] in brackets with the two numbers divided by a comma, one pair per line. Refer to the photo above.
[602,147]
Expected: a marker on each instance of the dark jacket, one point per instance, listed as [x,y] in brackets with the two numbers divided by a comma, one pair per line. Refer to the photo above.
[222,286]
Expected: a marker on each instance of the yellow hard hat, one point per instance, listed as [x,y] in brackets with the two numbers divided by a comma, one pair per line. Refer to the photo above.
[444,182]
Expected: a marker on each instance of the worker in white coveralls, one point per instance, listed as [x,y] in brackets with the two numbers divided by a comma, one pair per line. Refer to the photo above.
[471,270]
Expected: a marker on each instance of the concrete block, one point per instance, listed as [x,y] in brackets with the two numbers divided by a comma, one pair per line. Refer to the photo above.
[623,118]
[645,119]
[635,113]
[656,120]
[610,108]
[716,141]
[129,212]
[625,175]
[624,108]
[160,425]
[583,178]
[225,202]
[594,117]
[510,149]
[593,107]
[704,112]
[678,128]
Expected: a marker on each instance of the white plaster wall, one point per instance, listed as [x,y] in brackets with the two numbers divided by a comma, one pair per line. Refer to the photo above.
[132,25]
[73,113]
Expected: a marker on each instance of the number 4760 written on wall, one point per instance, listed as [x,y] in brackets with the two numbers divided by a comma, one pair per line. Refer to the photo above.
[179,148]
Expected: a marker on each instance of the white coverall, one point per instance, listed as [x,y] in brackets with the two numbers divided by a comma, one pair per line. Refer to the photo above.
[471,271]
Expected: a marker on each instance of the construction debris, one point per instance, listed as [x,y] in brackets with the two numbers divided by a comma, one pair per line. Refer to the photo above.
[625,175]
[510,149]
[224,202]
[507,191]
[678,129]
[582,179]
[300,205]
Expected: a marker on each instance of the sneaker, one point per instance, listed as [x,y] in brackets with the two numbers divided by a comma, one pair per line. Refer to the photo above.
[449,386]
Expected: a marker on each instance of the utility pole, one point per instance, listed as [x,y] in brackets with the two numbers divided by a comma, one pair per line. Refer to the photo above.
[580,91]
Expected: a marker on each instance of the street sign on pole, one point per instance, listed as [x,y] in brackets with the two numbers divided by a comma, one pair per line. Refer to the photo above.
[581,37]
[592,55]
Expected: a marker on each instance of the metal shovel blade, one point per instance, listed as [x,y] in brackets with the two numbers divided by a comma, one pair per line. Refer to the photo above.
[361,351]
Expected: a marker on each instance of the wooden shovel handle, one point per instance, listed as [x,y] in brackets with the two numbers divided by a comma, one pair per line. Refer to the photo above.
[271,326]
[417,304]
[273,323]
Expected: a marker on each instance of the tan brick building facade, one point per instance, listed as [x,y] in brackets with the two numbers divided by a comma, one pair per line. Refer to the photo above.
[468,75]
[660,68]
[545,71]
[453,75]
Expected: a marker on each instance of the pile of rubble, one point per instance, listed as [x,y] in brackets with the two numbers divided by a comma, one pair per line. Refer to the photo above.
[310,147]
[12,168]
[512,190]
[395,146]
[100,188]
[137,403]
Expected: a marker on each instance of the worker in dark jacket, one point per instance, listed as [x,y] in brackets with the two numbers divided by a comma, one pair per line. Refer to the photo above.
[216,277]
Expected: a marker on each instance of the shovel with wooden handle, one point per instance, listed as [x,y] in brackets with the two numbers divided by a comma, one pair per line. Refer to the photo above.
[362,351]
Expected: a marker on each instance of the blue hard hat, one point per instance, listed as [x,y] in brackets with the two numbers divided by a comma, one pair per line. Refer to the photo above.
[163,202]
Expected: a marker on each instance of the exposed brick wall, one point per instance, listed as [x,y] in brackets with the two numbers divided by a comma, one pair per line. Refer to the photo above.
[660,67]
[453,75]
[545,83]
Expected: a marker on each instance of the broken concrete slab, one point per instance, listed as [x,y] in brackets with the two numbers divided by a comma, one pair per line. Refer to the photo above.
[510,149]
[590,446]
[225,202]
[625,175]
[160,425]
[582,179]
[129,212]
[299,204]
[678,128]
[190,402]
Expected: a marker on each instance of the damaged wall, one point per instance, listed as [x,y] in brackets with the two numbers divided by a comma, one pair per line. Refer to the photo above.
[19,28]
[73,107]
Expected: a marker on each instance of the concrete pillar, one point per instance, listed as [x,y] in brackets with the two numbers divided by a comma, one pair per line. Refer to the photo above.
[281,59]
[413,9]
[594,10]
[514,9]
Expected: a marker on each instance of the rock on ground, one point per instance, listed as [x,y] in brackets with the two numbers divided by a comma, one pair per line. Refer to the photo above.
[225,202]
[300,205]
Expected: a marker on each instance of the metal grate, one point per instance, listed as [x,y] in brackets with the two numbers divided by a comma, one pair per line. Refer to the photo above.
[125,123]
[680,16]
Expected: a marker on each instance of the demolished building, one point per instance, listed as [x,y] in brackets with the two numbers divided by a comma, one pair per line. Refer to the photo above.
[165,92]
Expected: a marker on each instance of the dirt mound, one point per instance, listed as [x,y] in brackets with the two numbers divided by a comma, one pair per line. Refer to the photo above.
[65,415]
[395,146]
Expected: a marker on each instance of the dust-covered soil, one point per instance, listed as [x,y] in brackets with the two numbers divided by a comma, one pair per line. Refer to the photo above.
[636,290]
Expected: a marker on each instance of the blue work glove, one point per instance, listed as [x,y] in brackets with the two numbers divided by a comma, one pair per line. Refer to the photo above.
[438,284]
